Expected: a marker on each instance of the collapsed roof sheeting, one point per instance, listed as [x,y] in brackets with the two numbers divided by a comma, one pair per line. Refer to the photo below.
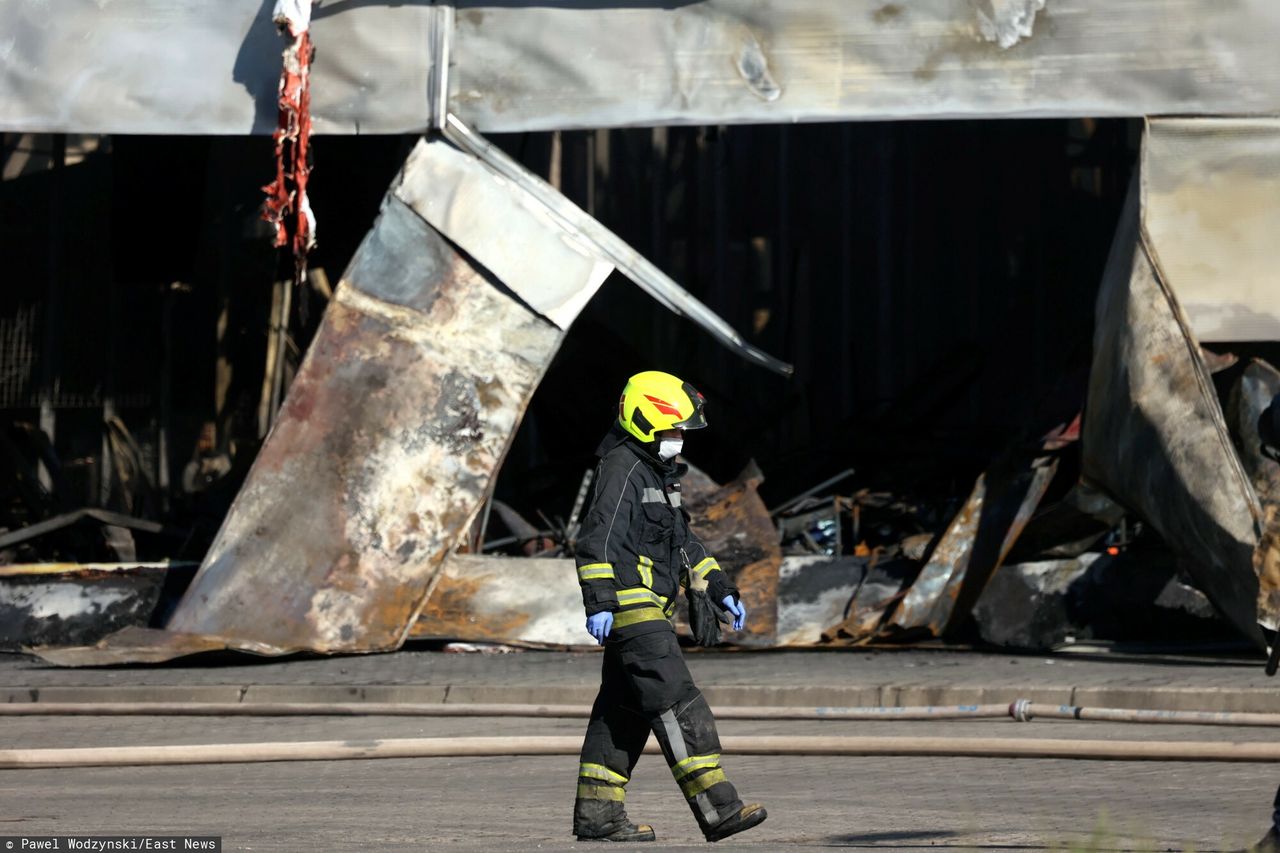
[1209,190]
[194,67]
[1155,437]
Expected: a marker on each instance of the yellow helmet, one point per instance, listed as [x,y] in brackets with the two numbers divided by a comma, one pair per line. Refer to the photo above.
[654,401]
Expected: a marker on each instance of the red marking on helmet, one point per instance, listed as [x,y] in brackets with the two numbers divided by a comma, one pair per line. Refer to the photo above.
[663,406]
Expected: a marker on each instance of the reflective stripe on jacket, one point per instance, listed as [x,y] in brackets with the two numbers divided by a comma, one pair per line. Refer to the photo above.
[629,550]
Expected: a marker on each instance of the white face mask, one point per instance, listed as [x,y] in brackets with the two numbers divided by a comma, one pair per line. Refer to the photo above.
[669,448]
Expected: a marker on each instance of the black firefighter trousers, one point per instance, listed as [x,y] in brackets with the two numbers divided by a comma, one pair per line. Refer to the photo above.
[645,686]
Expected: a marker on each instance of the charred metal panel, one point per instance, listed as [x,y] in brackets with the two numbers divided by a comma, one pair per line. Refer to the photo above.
[74,604]
[537,602]
[407,400]
[131,645]
[814,594]
[505,600]
[1154,435]
[975,543]
[734,524]
[877,594]
[1211,209]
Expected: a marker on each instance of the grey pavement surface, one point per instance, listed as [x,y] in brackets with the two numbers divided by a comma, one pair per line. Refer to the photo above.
[803,678]
[523,804]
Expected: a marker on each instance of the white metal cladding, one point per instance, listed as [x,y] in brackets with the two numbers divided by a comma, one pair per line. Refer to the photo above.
[196,67]
[201,67]
[526,66]
[1211,208]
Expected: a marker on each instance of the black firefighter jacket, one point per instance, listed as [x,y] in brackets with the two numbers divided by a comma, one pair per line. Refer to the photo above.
[635,547]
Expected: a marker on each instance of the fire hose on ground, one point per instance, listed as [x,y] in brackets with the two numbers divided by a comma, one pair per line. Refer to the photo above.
[1021,710]
[821,745]
[341,750]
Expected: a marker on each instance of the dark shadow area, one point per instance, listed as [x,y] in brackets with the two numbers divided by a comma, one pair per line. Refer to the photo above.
[932,282]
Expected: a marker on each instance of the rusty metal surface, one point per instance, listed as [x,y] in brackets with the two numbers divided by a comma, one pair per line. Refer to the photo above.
[877,594]
[505,600]
[1154,434]
[734,524]
[402,411]
[975,544]
[536,602]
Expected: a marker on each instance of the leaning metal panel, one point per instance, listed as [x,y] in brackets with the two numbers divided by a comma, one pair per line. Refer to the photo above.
[408,398]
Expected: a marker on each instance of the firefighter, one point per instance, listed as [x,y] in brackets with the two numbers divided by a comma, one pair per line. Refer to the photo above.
[634,551]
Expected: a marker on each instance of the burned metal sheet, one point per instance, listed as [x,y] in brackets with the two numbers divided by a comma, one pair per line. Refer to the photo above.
[194,67]
[976,541]
[1132,596]
[133,645]
[877,594]
[1154,435]
[407,400]
[814,594]
[536,602]
[77,603]
[505,600]
[734,524]
[1211,209]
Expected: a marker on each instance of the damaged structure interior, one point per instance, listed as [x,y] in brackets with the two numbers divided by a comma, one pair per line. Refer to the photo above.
[984,365]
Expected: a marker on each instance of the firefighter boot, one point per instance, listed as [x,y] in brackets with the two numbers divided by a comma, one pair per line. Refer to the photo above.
[741,821]
[602,820]
[599,813]
[687,734]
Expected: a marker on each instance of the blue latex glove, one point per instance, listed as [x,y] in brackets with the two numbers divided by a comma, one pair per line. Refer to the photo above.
[736,610]
[599,625]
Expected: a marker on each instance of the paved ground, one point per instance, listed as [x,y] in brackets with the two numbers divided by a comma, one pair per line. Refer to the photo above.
[521,804]
[903,677]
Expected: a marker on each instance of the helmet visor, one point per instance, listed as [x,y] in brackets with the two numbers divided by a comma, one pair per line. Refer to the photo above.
[698,419]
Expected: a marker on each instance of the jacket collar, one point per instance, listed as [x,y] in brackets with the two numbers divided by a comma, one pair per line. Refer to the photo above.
[619,437]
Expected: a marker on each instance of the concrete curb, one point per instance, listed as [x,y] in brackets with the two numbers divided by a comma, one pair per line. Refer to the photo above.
[1258,700]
